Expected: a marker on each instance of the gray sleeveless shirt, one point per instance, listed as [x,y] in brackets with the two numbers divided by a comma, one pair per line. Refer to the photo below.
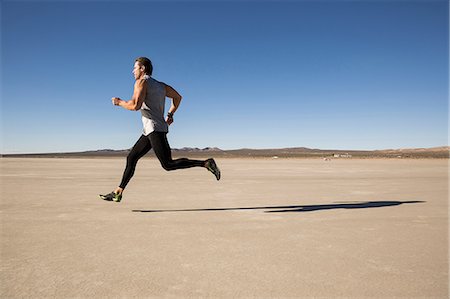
[152,108]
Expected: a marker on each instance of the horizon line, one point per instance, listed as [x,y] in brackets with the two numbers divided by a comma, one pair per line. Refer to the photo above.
[236,149]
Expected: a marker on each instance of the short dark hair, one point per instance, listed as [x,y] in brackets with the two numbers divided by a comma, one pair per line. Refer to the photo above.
[146,63]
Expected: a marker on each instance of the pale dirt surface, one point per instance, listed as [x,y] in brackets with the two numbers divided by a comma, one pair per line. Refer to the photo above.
[310,228]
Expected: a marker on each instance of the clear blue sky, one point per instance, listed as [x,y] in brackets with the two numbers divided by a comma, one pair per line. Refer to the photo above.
[255,74]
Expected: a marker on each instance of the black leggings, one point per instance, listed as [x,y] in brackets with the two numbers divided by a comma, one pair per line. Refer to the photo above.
[157,141]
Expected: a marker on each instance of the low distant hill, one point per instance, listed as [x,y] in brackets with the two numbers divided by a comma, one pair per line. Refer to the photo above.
[294,152]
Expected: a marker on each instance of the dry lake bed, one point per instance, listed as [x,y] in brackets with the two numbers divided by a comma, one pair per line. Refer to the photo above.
[270,228]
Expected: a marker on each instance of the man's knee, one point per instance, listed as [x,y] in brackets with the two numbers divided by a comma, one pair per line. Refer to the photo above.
[168,165]
[132,158]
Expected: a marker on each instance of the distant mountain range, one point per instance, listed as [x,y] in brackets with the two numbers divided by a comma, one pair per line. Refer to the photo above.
[294,152]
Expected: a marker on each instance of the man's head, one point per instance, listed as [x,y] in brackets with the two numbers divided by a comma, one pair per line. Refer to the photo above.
[142,65]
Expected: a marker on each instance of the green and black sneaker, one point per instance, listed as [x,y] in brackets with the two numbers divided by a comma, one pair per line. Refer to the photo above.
[111,197]
[211,166]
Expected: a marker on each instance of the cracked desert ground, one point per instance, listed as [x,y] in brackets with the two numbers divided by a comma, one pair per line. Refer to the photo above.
[271,228]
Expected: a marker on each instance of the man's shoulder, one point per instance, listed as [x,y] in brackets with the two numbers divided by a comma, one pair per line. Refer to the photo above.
[140,82]
[159,82]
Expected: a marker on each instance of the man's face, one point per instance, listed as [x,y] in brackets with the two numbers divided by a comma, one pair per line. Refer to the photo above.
[138,70]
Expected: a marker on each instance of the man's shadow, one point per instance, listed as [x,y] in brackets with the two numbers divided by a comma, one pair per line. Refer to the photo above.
[297,208]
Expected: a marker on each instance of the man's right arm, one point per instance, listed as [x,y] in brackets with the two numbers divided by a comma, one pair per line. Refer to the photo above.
[175,96]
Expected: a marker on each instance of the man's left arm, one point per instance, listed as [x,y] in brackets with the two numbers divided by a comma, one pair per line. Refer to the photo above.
[140,89]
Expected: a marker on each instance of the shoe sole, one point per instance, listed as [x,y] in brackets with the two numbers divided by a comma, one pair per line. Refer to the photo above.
[108,198]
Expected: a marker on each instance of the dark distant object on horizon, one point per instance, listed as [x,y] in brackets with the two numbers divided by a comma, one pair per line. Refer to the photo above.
[294,152]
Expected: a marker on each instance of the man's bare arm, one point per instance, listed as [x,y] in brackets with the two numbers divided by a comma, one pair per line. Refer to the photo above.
[140,90]
[175,96]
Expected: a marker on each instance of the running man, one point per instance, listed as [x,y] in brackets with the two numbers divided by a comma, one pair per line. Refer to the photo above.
[149,97]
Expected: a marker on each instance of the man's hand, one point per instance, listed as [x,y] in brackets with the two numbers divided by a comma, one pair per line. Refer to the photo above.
[169,120]
[116,101]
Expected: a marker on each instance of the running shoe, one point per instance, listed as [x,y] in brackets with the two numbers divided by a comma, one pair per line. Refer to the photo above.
[111,197]
[211,166]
